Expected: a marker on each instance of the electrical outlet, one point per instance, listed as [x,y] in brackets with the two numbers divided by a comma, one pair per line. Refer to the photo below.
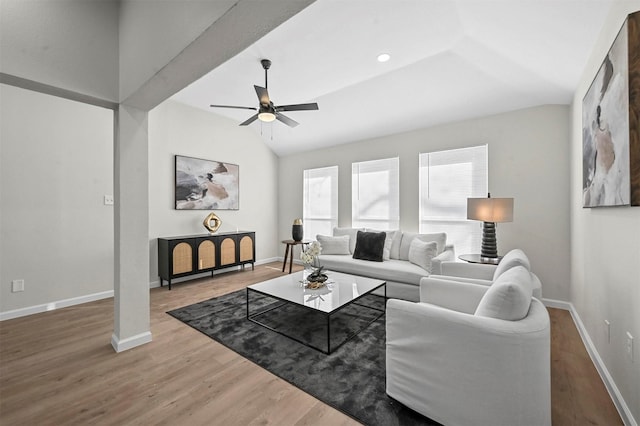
[630,346]
[608,330]
[17,285]
[108,200]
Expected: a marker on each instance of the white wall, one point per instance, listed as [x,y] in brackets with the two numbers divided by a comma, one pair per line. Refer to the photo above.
[528,157]
[605,248]
[175,128]
[56,165]
[69,44]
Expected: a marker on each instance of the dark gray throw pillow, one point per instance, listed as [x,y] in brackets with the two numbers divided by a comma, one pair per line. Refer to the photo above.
[369,246]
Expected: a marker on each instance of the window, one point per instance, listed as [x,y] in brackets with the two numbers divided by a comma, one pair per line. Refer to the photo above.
[447,179]
[375,194]
[320,201]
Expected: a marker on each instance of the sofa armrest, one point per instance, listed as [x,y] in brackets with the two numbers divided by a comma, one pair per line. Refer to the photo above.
[448,255]
[462,279]
[468,270]
[462,297]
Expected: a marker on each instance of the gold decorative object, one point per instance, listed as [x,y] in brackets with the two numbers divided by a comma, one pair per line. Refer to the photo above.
[314,285]
[212,227]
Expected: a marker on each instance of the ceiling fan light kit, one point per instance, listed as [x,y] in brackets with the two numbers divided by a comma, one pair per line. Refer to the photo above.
[267,111]
[266,116]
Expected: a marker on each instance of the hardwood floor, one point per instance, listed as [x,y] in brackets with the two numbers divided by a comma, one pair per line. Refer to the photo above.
[58,368]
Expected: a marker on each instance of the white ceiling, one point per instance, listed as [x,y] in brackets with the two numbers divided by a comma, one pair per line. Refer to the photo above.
[450,60]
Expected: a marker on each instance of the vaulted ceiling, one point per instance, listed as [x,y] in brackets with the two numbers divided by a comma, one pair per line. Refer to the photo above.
[450,60]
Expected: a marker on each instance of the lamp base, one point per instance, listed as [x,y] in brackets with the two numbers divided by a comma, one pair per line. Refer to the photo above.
[489,242]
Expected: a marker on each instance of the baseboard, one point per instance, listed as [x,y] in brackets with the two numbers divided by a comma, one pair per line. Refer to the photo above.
[130,342]
[614,392]
[58,304]
[30,310]
[558,304]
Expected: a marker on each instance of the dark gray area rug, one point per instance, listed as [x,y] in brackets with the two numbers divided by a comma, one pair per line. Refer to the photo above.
[350,379]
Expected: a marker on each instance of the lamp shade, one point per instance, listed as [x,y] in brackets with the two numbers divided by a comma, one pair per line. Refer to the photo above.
[490,209]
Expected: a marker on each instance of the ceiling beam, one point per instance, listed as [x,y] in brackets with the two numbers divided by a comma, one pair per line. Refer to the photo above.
[242,25]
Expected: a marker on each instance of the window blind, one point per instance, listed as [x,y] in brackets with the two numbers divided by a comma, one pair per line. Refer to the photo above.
[375,194]
[320,201]
[447,179]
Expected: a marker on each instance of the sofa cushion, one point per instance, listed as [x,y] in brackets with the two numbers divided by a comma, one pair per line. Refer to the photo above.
[369,246]
[421,253]
[509,297]
[351,232]
[407,237]
[390,270]
[515,257]
[334,245]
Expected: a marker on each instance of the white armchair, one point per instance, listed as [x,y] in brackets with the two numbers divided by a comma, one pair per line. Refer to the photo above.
[470,354]
[485,274]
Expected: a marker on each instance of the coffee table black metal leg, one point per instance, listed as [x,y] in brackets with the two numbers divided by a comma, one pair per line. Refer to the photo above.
[329,334]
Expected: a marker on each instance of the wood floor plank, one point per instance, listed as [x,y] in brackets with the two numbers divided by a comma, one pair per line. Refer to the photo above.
[58,368]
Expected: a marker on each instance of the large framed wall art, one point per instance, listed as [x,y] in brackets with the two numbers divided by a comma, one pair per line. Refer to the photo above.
[206,184]
[610,124]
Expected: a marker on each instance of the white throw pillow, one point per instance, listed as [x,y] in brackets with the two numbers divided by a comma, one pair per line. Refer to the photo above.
[334,245]
[394,253]
[351,232]
[407,237]
[421,253]
[515,257]
[509,297]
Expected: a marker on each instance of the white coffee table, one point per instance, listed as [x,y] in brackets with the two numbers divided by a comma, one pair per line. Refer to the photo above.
[341,291]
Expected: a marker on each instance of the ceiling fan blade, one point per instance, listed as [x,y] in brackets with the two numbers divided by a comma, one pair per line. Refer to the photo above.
[231,106]
[263,95]
[250,120]
[286,120]
[298,107]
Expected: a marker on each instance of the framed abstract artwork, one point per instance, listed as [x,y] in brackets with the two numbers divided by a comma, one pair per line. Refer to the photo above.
[206,184]
[610,129]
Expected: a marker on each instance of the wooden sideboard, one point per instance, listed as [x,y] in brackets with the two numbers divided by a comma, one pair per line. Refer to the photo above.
[194,254]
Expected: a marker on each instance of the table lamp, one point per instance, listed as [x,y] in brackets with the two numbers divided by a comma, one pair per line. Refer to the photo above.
[490,211]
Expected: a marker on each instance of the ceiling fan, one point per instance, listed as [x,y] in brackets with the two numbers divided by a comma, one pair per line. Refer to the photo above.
[267,111]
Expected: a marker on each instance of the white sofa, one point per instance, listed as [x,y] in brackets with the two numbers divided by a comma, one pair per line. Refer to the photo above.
[402,275]
[472,354]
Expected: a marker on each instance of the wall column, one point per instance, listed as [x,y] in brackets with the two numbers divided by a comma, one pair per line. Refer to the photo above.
[131,229]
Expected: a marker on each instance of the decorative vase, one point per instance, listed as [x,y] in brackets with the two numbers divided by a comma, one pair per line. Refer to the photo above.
[296,230]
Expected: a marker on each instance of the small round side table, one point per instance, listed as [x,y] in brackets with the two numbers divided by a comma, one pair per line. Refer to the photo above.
[476,258]
[288,252]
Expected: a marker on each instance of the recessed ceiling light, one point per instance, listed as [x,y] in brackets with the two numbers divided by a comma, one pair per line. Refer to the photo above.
[384,57]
